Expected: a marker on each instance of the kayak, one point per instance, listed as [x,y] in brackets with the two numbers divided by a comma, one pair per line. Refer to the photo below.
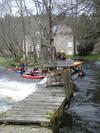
[18,71]
[14,69]
[77,63]
[32,73]
[11,69]
[33,77]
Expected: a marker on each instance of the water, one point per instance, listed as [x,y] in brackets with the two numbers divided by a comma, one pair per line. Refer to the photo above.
[83,116]
[13,88]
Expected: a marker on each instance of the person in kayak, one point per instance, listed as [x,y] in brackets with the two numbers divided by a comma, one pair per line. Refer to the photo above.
[22,68]
[34,72]
[77,70]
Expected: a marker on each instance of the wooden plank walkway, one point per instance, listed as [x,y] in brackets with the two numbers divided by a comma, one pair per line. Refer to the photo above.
[23,129]
[40,108]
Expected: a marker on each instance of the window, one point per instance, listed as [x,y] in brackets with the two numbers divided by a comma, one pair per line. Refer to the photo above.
[70,44]
[70,52]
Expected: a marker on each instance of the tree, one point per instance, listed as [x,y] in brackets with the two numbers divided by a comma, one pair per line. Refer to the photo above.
[89,26]
[46,29]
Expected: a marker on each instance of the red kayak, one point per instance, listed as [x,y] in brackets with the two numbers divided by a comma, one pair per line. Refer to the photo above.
[33,77]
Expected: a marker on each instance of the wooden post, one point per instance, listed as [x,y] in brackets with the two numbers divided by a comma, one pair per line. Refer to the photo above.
[67,84]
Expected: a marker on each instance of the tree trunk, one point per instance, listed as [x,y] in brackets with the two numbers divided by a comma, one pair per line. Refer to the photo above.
[44,54]
[34,52]
[74,27]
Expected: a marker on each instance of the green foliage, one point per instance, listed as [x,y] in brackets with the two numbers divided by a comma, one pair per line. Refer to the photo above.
[85,35]
[86,47]
[8,62]
[90,57]
[88,27]
[3,61]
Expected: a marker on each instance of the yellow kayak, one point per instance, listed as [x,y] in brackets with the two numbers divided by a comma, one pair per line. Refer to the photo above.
[77,63]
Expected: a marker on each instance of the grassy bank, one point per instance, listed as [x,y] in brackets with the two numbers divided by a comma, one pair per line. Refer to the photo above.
[3,61]
[91,57]
[9,61]
[6,61]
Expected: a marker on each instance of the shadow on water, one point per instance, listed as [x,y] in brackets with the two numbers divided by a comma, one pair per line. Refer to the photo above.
[83,116]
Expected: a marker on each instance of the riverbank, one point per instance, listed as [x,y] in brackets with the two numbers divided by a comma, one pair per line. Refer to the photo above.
[3,61]
[8,62]
[90,58]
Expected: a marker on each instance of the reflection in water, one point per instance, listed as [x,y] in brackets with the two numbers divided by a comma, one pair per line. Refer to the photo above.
[83,116]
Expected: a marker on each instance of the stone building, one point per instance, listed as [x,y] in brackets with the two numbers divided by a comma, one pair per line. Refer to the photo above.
[64,40]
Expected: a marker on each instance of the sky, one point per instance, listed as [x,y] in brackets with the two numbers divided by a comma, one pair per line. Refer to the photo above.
[11,7]
[5,4]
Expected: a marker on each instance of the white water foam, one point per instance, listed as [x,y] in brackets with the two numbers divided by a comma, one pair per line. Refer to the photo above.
[43,81]
[15,90]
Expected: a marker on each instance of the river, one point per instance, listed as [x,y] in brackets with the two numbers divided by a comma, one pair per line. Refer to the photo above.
[13,88]
[83,116]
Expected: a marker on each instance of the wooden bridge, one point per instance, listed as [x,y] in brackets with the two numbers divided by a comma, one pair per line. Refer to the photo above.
[41,108]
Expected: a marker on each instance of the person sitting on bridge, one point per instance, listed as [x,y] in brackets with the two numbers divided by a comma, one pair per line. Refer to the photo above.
[61,55]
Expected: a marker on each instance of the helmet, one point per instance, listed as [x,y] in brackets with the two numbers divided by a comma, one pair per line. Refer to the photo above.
[62,51]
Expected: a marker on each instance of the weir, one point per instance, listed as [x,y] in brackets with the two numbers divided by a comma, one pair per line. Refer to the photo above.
[43,107]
